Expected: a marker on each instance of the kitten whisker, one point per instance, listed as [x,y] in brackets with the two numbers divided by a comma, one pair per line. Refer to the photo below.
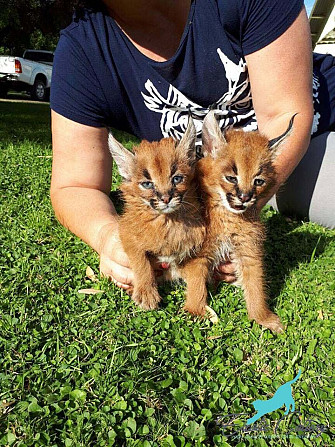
[184,202]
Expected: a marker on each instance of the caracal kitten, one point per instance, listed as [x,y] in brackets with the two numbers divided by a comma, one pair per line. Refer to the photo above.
[162,218]
[236,171]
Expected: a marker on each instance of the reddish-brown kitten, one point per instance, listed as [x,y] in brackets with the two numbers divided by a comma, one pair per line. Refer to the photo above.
[162,218]
[236,171]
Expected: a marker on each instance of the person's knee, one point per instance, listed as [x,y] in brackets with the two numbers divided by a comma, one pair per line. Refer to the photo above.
[309,191]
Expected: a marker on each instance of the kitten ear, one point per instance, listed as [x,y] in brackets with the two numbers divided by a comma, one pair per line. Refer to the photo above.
[187,143]
[276,145]
[122,157]
[212,136]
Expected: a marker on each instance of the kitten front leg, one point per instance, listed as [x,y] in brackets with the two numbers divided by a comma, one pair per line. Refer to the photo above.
[250,271]
[144,293]
[195,273]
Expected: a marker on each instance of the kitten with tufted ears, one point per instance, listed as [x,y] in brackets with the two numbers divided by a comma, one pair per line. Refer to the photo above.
[163,218]
[236,171]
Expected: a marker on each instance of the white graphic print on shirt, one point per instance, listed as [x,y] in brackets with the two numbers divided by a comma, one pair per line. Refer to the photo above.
[233,108]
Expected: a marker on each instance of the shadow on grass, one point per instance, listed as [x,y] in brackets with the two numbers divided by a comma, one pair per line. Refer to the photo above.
[22,121]
[288,245]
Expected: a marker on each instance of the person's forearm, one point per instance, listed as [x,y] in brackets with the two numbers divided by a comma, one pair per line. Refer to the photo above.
[293,149]
[281,84]
[85,212]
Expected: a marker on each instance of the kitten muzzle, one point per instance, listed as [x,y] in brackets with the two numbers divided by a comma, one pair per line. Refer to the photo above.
[244,198]
[166,206]
[241,203]
[166,199]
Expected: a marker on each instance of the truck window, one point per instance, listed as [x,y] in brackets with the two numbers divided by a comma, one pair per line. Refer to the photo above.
[39,56]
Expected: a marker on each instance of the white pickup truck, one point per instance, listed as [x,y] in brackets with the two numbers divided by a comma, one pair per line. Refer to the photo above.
[31,73]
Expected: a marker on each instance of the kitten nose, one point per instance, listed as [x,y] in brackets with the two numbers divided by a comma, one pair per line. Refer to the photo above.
[244,197]
[166,199]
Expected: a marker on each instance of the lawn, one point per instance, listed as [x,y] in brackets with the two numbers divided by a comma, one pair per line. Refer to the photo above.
[95,370]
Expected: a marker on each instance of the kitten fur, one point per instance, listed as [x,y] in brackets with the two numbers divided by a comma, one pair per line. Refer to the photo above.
[236,171]
[162,218]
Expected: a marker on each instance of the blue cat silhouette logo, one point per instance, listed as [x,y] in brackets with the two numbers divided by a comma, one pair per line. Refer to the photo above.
[283,396]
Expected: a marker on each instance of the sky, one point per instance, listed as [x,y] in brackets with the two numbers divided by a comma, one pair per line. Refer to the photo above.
[309,5]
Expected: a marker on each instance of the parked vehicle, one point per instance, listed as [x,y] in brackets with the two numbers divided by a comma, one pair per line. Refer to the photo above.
[31,73]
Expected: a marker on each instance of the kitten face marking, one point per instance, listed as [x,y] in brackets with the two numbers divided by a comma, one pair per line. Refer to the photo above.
[161,186]
[245,162]
[159,172]
[243,169]
[241,190]
[163,202]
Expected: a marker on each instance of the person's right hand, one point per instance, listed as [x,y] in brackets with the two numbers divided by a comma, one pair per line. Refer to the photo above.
[114,262]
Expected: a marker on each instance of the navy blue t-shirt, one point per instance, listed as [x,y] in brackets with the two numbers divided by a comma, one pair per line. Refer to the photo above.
[101,79]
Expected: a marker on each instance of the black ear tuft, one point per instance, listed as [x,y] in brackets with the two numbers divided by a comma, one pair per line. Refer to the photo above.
[277,141]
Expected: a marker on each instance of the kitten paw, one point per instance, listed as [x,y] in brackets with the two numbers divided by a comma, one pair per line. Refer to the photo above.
[195,309]
[146,299]
[273,323]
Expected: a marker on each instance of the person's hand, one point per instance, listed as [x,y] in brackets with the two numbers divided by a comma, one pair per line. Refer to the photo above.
[225,272]
[114,262]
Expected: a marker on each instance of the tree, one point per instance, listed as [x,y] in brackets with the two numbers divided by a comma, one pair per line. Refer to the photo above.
[32,23]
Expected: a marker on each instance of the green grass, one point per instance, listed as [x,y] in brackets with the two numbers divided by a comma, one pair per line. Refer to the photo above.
[95,370]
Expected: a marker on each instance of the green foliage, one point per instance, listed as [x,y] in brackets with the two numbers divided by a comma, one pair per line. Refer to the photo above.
[32,24]
[95,370]
[41,41]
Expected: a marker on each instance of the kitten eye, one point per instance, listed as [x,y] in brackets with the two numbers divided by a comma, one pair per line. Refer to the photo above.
[177,179]
[231,179]
[259,182]
[147,185]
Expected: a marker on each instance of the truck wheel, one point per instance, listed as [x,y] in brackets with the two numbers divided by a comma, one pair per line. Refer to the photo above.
[3,91]
[39,92]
